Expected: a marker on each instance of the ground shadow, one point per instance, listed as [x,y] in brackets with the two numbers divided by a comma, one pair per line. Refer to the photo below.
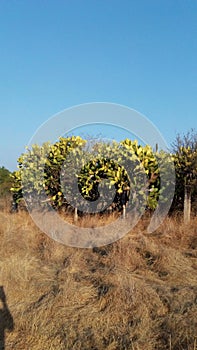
[6,319]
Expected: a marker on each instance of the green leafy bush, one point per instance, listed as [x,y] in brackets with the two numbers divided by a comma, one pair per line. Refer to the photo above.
[124,166]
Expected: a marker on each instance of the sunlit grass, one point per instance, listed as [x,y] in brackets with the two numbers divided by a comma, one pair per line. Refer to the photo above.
[137,293]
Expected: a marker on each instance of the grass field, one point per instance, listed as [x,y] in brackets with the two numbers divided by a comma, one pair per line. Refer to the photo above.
[137,293]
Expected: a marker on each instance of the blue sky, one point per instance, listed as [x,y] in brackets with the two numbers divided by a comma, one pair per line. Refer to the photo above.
[55,54]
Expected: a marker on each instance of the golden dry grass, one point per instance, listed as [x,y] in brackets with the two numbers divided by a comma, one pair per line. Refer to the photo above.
[137,293]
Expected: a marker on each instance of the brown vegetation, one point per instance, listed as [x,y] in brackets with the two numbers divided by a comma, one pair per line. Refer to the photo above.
[137,293]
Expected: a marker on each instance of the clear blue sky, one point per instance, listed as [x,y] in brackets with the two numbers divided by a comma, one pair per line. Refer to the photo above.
[55,54]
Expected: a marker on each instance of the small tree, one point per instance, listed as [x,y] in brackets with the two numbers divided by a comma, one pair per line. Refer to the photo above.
[185,158]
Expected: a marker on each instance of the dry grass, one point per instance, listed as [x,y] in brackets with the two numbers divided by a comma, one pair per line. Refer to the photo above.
[137,293]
